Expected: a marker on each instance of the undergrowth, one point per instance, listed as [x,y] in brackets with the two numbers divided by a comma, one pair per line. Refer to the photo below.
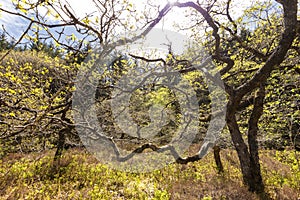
[80,176]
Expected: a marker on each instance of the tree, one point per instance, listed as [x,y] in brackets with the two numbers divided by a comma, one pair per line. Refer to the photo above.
[228,42]
[248,155]
[4,43]
[35,90]
[46,113]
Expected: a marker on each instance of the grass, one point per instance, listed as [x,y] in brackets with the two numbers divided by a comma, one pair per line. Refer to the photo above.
[81,176]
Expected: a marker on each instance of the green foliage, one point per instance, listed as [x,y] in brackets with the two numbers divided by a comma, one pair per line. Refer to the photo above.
[34,89]
[282,171]
[80,176]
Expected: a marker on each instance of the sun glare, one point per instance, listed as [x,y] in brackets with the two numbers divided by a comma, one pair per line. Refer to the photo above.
[173,1]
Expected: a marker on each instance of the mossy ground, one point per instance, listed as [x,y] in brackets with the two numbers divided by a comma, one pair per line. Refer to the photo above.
[81,176]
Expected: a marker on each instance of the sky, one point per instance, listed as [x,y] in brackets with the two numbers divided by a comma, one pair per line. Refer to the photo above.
[8,21]
[16,26]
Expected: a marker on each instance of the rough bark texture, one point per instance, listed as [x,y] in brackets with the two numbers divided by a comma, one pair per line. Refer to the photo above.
[248,157]
[252,138]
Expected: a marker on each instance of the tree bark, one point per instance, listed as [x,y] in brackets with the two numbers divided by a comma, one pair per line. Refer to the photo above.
[252,138]
[60,144]
[218,161]
[249,164]
[238,142]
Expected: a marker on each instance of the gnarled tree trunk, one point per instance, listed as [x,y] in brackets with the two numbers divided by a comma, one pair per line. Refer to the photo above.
[248,156]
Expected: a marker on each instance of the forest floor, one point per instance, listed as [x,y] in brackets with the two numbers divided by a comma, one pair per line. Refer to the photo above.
[82,176]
